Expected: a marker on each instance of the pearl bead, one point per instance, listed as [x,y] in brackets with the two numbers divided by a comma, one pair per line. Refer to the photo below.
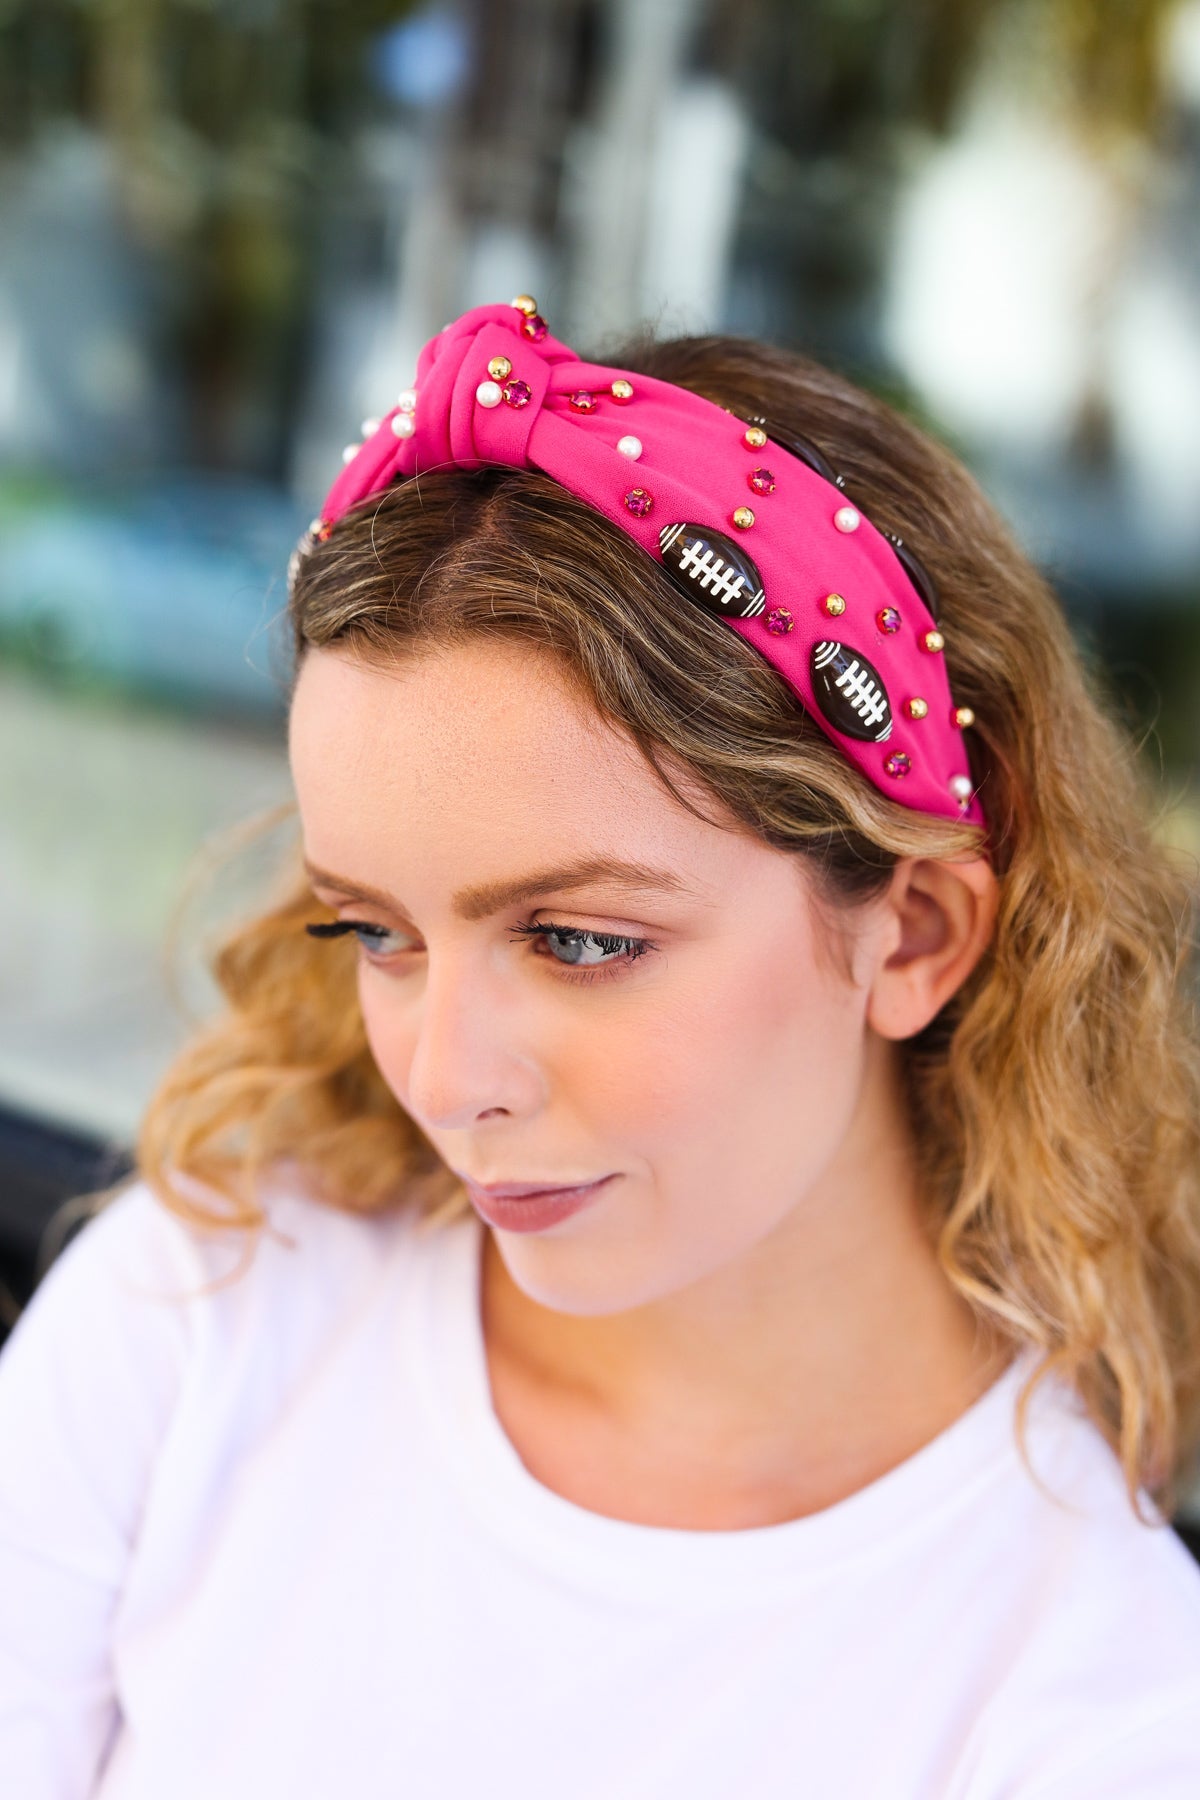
[407,401]
[403,424]
[314,525]
[350,452]
[488,393]
[961,786]
[369,427]
[846,519]
[630,446]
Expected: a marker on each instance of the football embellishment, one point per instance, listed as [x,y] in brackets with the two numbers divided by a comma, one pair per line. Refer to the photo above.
[850,692]
[712,570]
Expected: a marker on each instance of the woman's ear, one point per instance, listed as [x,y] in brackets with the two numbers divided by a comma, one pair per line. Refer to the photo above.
[939,919]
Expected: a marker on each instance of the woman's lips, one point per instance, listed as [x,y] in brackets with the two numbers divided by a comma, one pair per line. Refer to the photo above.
[518,1206]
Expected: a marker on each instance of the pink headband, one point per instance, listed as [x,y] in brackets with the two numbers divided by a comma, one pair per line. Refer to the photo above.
[746,529]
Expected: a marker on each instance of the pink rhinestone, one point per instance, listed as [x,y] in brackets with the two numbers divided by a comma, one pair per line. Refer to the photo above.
[898,763]
[762,481]
[581,402]
[639,502]
[534,326]
[779,620]
[889,619]
[517,393]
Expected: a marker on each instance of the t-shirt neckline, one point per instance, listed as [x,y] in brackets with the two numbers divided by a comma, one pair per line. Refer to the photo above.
[949,1475]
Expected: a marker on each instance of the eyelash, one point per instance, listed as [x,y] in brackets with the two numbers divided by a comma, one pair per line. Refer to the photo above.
[630,947]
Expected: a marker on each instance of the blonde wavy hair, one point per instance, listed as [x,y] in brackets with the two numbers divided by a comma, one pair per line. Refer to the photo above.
[1055,1097]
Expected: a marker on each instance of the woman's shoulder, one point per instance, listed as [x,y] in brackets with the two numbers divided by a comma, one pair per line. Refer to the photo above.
[1098,1655]
[142,1272]
[1114,1550]
[137,1227]
[148,1324]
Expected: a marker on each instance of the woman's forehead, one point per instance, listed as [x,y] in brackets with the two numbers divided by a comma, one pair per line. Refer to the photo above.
[436,700]
[492,767]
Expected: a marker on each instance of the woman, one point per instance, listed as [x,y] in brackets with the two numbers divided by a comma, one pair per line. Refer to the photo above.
[812,1426]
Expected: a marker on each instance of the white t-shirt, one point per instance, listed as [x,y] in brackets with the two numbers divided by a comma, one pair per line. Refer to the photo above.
[272,1543]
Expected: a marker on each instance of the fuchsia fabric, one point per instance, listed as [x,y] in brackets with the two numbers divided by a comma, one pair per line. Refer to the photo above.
[696,467]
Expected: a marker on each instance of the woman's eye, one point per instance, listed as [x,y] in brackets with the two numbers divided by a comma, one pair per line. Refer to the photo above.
[373,939]
[586,950]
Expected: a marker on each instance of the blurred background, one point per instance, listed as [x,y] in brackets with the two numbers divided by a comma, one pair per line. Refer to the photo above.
[227,226]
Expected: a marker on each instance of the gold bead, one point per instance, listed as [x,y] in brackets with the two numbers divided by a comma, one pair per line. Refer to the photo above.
[916,708]
[933,640]
[834,605]
[499,367]
[525,303]
[743,518]
[963,716]
[755,437]
[622,390]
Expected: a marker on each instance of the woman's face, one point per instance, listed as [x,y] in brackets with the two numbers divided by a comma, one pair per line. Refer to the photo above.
[715,1073]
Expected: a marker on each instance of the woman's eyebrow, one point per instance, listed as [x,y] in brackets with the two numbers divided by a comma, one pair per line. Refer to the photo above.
[490,897]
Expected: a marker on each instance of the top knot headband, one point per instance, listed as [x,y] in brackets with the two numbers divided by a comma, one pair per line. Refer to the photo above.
[752,528]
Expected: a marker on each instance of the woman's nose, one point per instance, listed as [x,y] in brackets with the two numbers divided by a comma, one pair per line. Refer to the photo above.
[469,1054]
